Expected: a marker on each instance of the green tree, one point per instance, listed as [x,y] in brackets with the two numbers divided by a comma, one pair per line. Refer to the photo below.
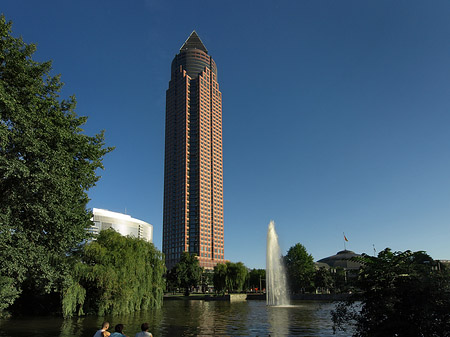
[404,294]
[236,276]
[257,279]
[323,280]
[230,277]
[115,275]
[300,269]
[220,278]
[171,281]
[207,279]
[187,272]
[340,279]
[46,167]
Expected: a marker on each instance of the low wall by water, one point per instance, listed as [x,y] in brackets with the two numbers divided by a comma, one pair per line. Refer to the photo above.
[237,297]
[256,297]
[259,297]
[305,297]
[229,297]
[320,297]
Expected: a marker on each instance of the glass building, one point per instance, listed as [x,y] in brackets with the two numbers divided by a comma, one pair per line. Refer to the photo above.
[122,223]
[193,167]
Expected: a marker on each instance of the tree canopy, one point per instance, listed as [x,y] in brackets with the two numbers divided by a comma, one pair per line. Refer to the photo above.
[47,165]
[300,268]
[404,294]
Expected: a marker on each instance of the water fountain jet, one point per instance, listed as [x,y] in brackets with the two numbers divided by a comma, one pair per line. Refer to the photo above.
[276,284]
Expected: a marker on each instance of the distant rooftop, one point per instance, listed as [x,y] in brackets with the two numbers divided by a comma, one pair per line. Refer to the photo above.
[116,215]
[193,42]
[342,259]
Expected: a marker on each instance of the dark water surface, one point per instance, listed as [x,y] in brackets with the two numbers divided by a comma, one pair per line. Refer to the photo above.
[192,318]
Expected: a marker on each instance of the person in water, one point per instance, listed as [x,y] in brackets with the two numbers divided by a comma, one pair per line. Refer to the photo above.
[118,331]
[144,332]
[103,332]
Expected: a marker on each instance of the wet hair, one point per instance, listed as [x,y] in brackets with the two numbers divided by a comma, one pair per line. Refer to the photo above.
[118,328]
[144,326]
[105,324]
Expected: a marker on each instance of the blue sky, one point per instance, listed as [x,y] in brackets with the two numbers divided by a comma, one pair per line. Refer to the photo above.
[336,114]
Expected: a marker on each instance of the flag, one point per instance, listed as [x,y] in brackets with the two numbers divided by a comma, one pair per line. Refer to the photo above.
[345,238]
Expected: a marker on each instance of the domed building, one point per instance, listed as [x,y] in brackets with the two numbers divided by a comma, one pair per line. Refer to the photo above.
[341,259]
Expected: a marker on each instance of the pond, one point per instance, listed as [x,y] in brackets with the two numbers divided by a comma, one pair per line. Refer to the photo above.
[192,318]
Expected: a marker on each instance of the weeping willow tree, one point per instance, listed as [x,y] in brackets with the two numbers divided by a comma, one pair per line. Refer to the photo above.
[230,277]
[115,275]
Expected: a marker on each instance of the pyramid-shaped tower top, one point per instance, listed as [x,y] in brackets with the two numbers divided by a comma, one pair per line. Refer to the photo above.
[193,42]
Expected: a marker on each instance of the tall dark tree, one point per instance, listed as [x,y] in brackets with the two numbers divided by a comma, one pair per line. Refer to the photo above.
[46,167]
[300,269]
[187,272]
[343,280]
[207,279]
[404,294]
[257,279]
[323,280]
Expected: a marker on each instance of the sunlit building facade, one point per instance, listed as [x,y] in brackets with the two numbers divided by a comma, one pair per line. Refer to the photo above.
[122,223]
[193,167]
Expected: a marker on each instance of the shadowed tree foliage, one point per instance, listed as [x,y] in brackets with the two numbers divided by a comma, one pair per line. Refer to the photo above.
[343,280]
[404,294]
[323,280]
[115,275]
[187,273]
[257,279]
[220,278]
[46,166]
[300,269]
[207,279]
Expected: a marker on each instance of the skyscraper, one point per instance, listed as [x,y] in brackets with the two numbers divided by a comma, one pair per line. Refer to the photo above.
[193,167]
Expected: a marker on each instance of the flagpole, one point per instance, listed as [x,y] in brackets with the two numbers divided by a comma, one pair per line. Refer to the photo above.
[345,246]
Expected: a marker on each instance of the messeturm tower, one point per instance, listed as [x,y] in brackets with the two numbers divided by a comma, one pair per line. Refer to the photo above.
[193,166]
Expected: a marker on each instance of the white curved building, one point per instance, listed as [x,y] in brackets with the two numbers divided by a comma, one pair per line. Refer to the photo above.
[122,223]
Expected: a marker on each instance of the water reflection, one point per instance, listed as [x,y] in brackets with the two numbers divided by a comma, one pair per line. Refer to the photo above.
[71,327]
[279,320]
[191,318]
[306,319]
